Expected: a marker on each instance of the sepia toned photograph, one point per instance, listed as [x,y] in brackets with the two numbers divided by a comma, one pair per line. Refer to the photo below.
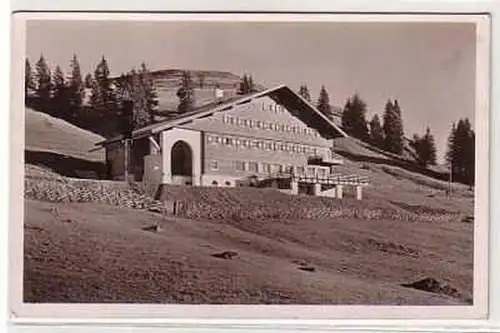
[251,161]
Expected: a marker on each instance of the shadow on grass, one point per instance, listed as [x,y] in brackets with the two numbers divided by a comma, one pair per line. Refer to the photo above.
[65,165]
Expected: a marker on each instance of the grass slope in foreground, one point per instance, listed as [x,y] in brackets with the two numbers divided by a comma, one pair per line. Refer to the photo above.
[101,253]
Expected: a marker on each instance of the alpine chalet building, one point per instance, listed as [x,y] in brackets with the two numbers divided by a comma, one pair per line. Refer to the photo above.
[272,138]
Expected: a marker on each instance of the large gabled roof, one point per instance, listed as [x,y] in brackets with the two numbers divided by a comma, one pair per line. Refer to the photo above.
[296,104]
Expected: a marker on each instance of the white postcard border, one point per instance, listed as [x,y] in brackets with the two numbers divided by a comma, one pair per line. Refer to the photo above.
[179,314]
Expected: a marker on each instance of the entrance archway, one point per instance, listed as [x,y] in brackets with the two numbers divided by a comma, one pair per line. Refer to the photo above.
[181,160]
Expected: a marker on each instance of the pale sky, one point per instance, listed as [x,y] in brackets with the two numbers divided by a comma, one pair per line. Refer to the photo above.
[428,67]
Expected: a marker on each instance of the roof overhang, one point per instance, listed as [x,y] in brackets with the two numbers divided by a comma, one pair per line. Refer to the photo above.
[281,94]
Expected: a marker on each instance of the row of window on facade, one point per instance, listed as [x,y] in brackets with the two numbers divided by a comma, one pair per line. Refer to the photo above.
[261,144]
[250,123]
[268,168]
[263,106]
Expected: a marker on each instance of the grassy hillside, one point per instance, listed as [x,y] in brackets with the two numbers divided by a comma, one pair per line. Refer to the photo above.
[49,134]
[54,145]
[99,253]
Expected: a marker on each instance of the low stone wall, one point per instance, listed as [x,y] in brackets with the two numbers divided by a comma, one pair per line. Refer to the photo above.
[74,190]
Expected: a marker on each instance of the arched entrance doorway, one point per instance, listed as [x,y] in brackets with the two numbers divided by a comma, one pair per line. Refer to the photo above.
[181,160]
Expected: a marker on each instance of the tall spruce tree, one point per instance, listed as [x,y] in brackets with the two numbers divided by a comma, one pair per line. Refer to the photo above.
[376,132]
[76,90]
[103,97]
[304,92]
[150,93]
[60,93]
[323,104]
[186,94]
[425,148]
[393,128]
[29,80]
[461,151]
[43,82]
[141,116]
[354,118]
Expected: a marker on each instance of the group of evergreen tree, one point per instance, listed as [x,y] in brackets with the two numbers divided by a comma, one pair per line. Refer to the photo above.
[138,88]
[53,92]
[323,103]
[63,96]
[387,134]
[304,92]
[460,154]
[354,118]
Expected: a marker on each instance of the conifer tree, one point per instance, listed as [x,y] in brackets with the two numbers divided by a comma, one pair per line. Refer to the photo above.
[304,92]
[323,104]
[103,96]
[186,94]
[461,151]
[354,118]
[29,81]
[393,128]
[76,91]
[59,98]
[376,132]
[150,93]
[43,82]
[425,148]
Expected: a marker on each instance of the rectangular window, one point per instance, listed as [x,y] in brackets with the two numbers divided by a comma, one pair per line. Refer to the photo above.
[282,127]
[269,145]
[210,139]
[227,141]
[321,173]
[265,125]
[266,167]
[214,165]
[240,165]
[311,171]
[253,167]
[300,170]
[259,124]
